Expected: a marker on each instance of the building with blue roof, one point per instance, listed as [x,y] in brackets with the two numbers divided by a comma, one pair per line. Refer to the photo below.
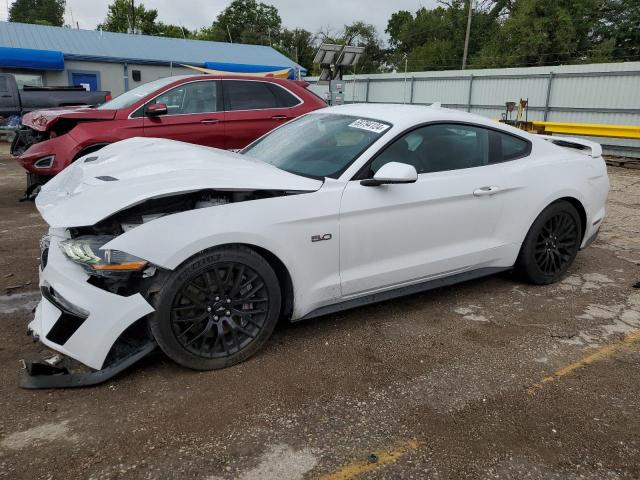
[45,55]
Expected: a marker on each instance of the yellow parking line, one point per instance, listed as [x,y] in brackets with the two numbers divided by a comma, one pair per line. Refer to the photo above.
[597,356]
[384,457]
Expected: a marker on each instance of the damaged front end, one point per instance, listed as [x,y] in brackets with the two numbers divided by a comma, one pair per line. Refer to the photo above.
[96,300]
[98,332]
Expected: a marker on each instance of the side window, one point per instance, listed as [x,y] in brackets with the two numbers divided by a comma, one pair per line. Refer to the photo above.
[283,96]
[3,84]
[195,97]
[248,95]
[507,147]
[437,148]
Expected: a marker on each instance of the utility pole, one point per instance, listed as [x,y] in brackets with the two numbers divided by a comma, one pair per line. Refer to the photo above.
[404,91]
[133,17]
[466,38]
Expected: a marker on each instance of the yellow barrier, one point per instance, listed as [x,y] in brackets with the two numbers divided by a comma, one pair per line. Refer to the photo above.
[590,129]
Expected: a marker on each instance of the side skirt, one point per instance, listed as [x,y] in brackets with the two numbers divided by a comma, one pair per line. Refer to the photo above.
[403,291]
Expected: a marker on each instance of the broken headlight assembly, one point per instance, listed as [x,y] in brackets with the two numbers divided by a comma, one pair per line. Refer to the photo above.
[86,251]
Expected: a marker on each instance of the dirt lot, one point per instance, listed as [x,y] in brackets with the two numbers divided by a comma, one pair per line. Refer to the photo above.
[489,379]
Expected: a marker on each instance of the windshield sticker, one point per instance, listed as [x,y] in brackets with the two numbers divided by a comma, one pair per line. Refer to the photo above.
[369,125]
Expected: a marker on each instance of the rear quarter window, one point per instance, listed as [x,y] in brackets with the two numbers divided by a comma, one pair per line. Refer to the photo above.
[248,95]
[507,147]
[284,98]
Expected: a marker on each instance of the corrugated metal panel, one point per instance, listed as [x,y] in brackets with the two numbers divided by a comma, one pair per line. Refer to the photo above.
[596,92]
[595,117]
[444,91]
[107,45]
[502,90]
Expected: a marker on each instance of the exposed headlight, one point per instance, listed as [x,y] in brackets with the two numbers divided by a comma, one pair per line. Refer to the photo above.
[86,251]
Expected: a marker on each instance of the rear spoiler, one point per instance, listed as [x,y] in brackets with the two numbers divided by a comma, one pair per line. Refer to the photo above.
[592,149]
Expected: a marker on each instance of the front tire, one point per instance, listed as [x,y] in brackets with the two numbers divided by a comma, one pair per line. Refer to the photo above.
[217,309]
[551,245]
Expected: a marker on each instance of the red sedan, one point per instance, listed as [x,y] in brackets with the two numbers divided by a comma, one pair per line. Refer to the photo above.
[224,112]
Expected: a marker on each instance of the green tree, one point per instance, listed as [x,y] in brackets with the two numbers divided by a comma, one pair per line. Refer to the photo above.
[43,12]
[124,17]
[434,39]
[543,32]
[173,31]
[361,34]
[299,45]
[245,21]
[617,33]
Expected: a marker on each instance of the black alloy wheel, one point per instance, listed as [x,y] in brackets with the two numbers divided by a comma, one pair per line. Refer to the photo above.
[217,309]
[551,245]
[556,243]
[220,311]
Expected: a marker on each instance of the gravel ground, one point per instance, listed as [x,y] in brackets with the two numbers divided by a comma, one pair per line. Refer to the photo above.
[488,379]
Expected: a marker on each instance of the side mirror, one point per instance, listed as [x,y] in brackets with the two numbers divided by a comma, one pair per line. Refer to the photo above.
[392,172]
[156,109]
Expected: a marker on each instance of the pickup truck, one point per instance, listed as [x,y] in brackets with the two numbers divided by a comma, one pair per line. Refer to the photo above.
[15,101]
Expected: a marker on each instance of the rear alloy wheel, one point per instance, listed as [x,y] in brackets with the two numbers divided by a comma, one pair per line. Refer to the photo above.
[551,244]
[217,309]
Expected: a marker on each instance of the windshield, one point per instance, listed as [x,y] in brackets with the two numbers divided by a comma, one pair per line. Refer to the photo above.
[317,145]
[132,96]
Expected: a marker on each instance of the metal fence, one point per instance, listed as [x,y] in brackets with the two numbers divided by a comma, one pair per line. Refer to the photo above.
[595,93]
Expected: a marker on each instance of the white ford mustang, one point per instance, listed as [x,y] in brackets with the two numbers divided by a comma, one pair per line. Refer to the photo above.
[202,251]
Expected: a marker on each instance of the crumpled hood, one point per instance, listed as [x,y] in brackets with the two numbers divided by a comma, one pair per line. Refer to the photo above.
[129,172]
[43,120]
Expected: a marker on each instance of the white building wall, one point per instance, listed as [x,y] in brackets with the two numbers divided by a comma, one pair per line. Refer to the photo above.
[112,74]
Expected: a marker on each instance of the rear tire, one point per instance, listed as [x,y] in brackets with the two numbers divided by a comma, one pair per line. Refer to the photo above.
[217,309]
[551,245]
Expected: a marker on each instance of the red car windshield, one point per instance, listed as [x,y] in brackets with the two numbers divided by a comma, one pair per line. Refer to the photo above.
[132,96]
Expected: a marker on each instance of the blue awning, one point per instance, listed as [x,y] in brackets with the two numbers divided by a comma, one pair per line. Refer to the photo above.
[31,59]
[244,68]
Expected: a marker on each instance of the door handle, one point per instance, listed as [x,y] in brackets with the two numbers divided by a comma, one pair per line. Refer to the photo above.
[6,96]
[486,191]
[212,121]
[279,117]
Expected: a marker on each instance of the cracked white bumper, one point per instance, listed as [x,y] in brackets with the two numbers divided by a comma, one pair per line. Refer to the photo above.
[86,340]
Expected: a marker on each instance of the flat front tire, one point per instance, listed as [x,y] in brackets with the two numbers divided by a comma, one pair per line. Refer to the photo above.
[551,245]
[217,309]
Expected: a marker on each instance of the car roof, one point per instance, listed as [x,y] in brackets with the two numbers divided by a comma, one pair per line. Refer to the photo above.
[404,116]
[209,76]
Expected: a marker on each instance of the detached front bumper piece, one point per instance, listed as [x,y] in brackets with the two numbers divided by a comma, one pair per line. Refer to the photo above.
[40,375]
[83,322]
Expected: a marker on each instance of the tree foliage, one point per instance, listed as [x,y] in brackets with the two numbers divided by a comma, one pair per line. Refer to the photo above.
[542,32]
[509,33]
[245,21]
[434,39]
[123,17]
[299,45]
[42,12]
[504,33]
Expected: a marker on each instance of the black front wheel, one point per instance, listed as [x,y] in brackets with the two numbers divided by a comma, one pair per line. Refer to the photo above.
[217,309]
[551,245]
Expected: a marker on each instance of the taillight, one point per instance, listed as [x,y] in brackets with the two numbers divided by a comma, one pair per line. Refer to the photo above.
[108,97]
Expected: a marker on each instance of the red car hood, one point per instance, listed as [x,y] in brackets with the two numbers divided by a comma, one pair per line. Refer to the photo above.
[43,120]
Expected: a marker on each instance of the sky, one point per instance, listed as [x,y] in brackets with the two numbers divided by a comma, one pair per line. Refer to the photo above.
[326,14]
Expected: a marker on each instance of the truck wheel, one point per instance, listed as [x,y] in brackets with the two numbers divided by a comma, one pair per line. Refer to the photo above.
[217,309]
